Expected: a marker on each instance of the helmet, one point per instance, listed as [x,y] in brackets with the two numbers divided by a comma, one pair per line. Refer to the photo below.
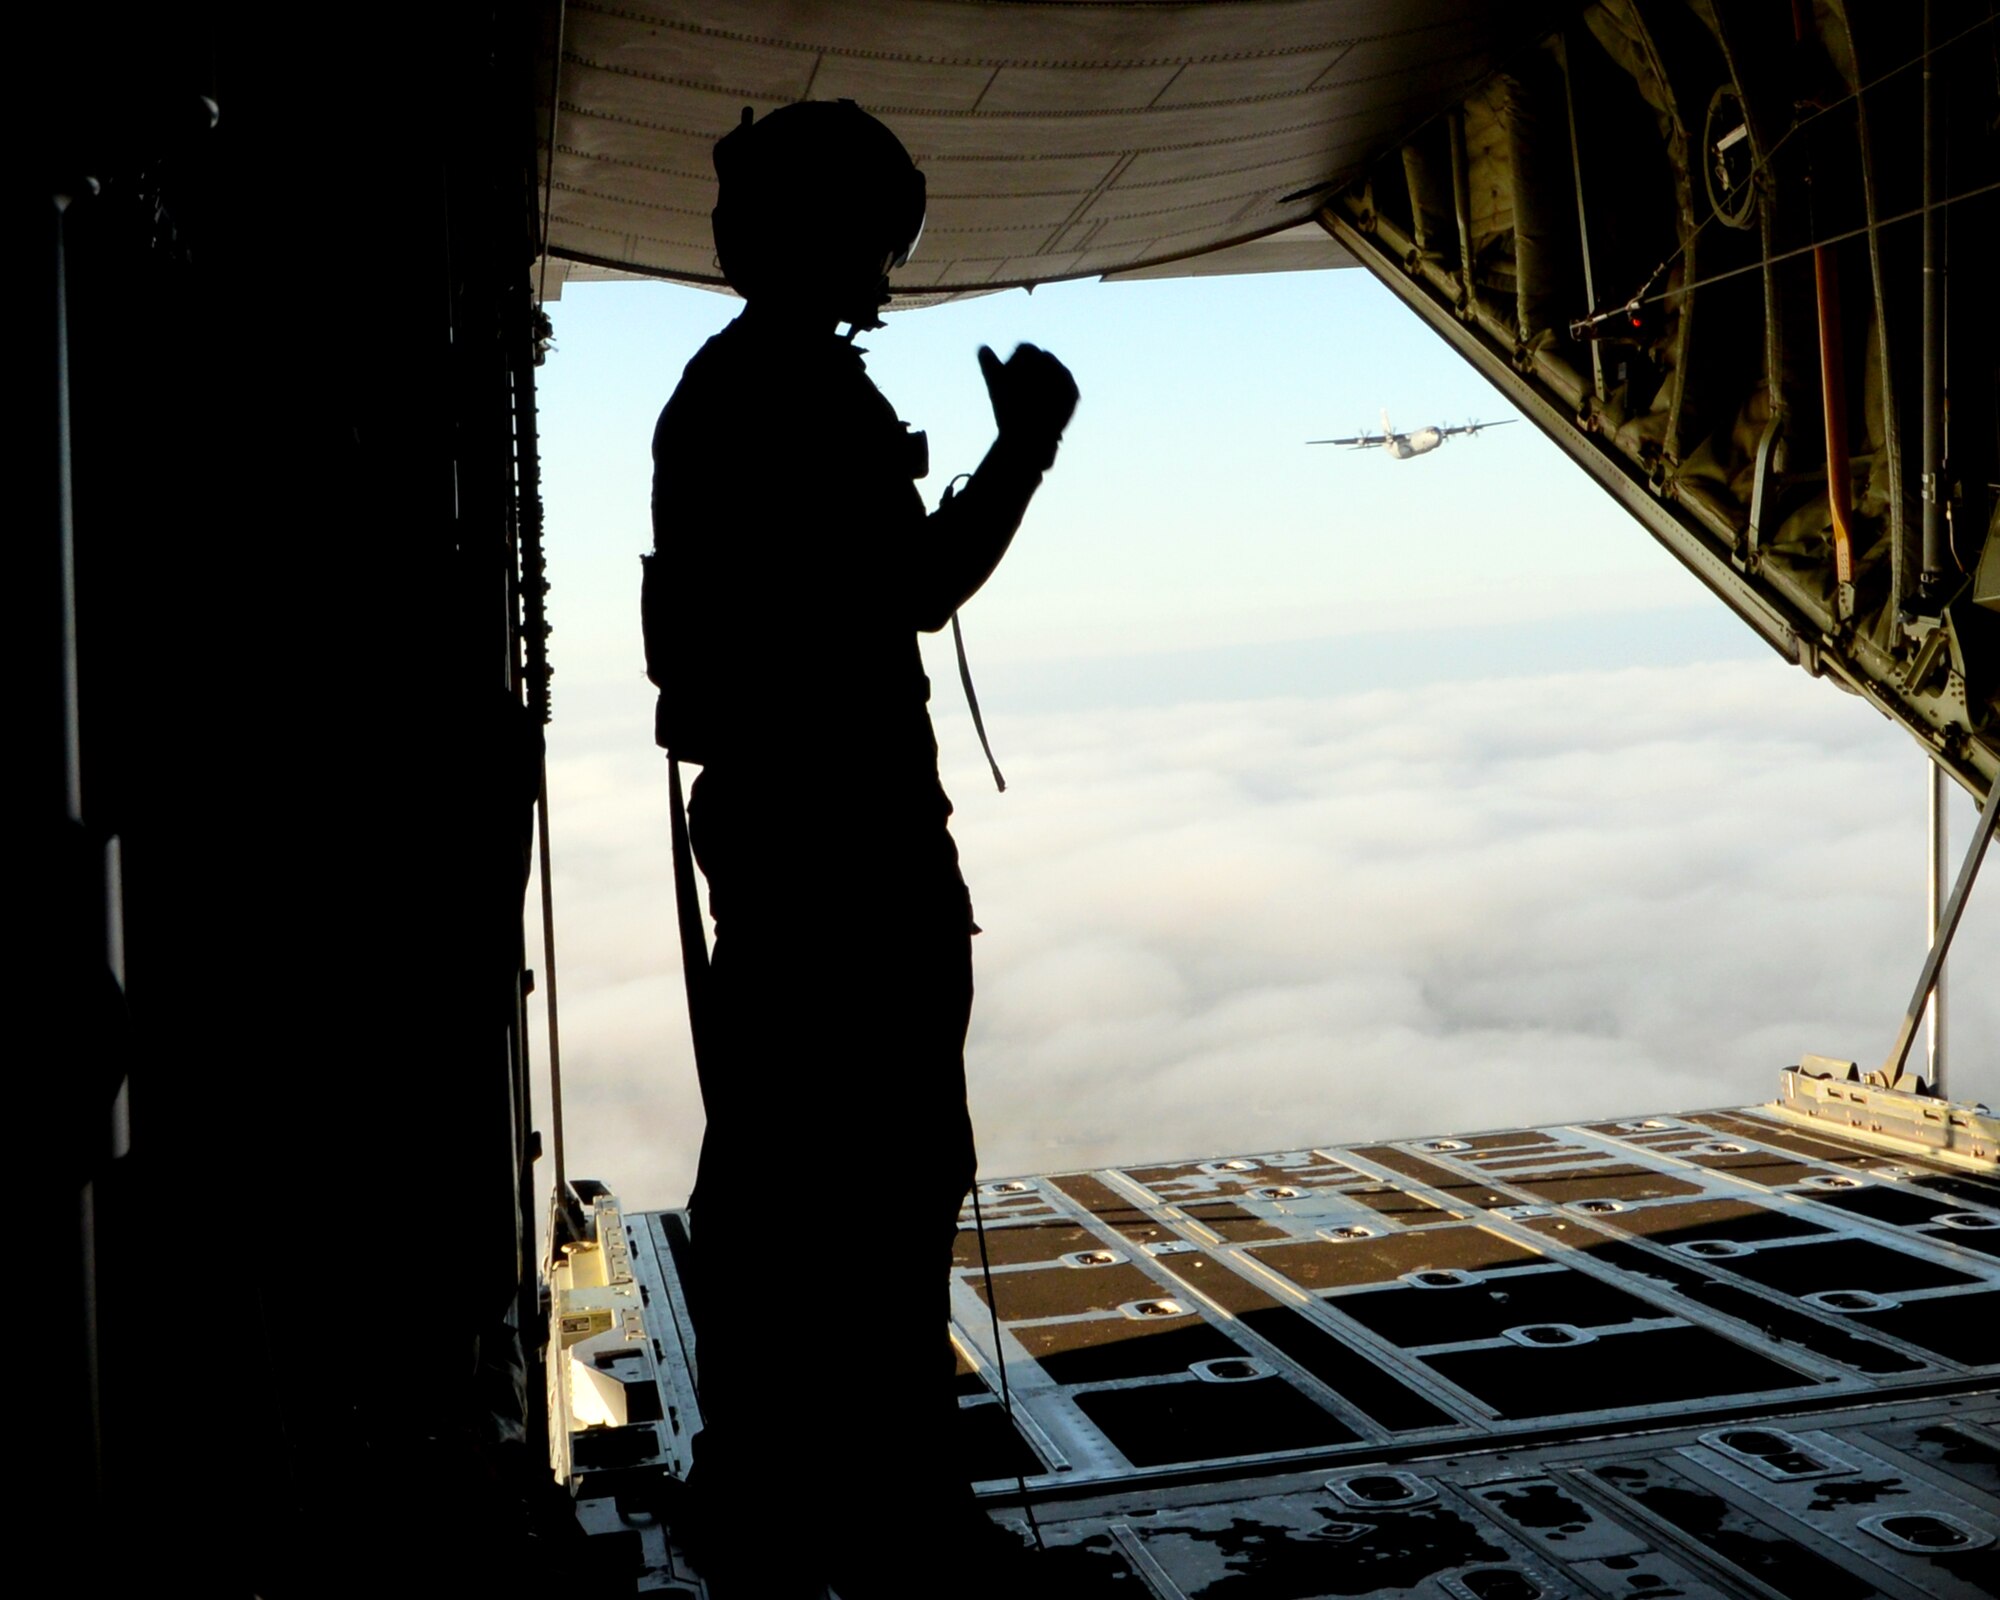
[818,203]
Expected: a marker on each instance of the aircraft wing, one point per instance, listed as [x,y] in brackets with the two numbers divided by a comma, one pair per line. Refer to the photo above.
[1356,439]
[1474,427]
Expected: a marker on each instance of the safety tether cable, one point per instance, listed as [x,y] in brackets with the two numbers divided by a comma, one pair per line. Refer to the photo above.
[1000,1356]
[1781,257]
[549,1000]
[1641,297]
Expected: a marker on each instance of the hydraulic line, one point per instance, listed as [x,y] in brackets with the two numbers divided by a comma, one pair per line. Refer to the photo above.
[1833,398]
[1935,445]
[1833,392]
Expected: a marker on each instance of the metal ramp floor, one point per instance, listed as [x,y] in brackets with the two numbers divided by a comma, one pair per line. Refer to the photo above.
[1744,1353]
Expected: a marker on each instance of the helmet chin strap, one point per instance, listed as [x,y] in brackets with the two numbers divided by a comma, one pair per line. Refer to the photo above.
[873,320]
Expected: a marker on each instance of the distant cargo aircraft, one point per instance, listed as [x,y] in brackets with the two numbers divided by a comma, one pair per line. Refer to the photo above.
[1404,445]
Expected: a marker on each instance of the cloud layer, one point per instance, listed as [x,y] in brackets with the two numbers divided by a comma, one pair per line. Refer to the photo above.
[1255,924]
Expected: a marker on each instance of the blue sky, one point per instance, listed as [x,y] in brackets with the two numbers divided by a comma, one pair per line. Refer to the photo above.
[1187,511]
[1349,797]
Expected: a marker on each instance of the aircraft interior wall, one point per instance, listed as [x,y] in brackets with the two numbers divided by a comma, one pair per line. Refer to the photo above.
[293,270]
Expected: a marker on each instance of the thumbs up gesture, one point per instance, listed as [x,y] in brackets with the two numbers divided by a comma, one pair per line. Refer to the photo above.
[1033,397]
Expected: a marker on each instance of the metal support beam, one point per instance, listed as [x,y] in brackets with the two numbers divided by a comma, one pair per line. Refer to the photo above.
[1936,878]
[1975,852]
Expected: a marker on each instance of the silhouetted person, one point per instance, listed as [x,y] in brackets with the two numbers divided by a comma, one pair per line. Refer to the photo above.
[794,567]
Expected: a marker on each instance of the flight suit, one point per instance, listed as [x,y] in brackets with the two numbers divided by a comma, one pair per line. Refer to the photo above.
[794,565]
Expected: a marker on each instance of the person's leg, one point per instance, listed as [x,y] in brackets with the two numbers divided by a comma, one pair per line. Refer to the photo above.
[757,1533]
[763,1441]
[906,1504]
[842,1002]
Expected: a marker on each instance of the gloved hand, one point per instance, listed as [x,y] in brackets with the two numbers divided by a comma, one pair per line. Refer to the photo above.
[1033,396]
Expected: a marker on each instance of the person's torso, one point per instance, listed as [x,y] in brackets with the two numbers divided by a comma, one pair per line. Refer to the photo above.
[785,526]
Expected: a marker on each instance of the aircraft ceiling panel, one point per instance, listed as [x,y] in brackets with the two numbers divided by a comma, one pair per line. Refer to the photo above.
[1265,79]
[990,177]
[1060,140]
[708,60]
[1307,248]
[945,88]
[1028,91]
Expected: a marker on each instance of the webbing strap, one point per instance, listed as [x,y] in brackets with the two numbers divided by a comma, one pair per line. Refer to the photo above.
[694,938]
[972,703]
